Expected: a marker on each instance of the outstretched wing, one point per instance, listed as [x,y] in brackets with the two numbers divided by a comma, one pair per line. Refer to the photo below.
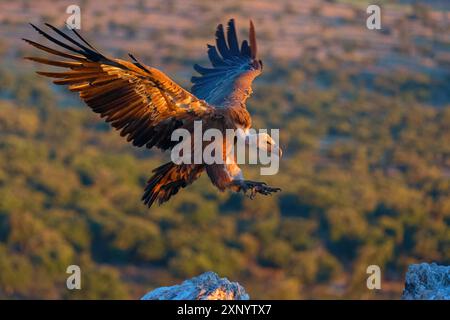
[233,69]
[140,101]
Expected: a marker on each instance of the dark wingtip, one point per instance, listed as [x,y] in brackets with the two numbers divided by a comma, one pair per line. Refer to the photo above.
[132,57]
[48,25]
[35,28]
[233,42]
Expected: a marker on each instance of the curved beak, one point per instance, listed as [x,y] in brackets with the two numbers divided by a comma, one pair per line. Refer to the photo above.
[277,150]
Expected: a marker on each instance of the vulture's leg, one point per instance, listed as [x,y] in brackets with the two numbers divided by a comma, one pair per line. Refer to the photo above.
[254,187]
[230,176]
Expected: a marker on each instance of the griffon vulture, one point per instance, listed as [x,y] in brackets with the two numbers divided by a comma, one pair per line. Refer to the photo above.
[146,106]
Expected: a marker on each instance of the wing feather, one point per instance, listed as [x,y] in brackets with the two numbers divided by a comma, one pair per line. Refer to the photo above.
[230,78]
[140,101]
[221,42]
[232,38]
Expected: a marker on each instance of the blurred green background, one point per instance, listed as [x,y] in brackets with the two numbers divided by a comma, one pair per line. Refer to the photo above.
[364,117]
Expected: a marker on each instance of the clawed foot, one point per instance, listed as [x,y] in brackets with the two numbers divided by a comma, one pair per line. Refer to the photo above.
[255,187]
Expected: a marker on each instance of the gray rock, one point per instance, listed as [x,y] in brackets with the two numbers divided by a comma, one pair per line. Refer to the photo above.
[427,282]
[207,286]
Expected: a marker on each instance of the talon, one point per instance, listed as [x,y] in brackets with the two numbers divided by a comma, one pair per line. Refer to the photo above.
[255,187]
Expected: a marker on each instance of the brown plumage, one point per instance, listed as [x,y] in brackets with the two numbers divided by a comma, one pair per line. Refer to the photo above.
[146,106]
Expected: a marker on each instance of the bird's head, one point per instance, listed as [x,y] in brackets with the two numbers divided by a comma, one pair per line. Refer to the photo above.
[264,142]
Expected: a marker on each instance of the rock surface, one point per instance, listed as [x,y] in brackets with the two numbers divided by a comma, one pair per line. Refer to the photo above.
[207,286]
[427,282]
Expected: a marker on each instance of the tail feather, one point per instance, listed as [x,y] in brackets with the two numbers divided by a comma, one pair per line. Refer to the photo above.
[167,180]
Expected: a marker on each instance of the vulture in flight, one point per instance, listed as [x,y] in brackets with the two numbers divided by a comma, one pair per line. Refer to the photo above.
[146,106]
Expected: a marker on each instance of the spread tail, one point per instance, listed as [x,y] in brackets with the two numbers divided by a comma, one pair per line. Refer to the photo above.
[167,181]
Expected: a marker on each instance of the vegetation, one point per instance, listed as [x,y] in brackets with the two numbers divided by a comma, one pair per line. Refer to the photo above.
[365,178]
